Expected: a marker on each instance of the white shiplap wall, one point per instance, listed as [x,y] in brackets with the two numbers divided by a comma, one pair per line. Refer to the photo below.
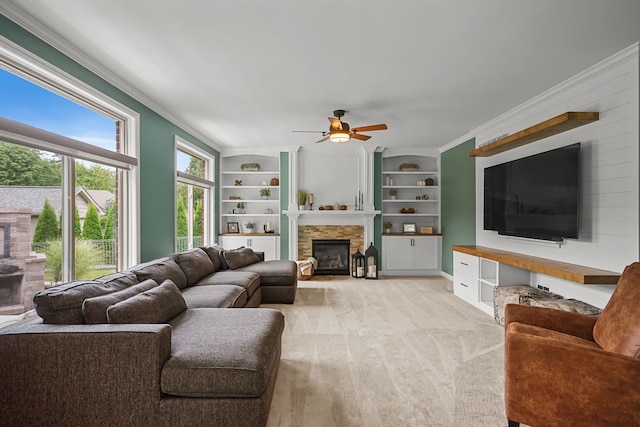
[609,222]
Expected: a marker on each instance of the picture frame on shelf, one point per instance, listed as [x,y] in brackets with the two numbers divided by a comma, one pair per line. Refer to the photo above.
[426,230]
[409,227]
[233,227]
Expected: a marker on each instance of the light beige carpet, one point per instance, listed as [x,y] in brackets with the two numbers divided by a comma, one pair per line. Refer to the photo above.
[391,352]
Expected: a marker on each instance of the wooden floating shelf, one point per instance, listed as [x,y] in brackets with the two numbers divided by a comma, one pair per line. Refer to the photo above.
[553,126]
[564,270]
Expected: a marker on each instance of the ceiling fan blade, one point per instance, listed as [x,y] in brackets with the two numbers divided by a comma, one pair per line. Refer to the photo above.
[360,137]
[323,139]
[335,123]
[381,126]
[309,131]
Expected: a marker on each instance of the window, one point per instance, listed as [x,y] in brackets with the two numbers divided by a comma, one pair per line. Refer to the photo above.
[194,196]
[88,179]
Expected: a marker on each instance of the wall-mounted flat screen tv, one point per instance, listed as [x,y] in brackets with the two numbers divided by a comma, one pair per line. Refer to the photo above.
[536,196]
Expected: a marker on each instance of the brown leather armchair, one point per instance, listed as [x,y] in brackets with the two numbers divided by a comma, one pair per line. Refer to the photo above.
[570,369]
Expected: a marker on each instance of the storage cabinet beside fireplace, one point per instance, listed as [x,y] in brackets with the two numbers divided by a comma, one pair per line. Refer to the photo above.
[412,255]
[270,245]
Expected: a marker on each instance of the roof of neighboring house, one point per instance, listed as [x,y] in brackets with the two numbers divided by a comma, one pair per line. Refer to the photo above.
[33,197]
[101,198]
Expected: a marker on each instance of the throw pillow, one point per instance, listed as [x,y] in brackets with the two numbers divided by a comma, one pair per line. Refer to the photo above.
[195,263]
[215,253]
[240,257]
[95,309]
[157,305]
[160,270]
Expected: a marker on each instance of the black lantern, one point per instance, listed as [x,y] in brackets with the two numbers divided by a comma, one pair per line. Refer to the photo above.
[357,265]
[371,262]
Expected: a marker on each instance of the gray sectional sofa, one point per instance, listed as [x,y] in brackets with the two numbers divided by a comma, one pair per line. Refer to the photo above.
[160,344]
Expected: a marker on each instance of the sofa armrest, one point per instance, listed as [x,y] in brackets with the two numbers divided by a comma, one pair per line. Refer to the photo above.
[260,255]
[557,382]
[567,322]
[82,374]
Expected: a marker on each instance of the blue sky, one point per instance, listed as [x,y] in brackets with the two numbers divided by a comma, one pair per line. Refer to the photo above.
[25,102]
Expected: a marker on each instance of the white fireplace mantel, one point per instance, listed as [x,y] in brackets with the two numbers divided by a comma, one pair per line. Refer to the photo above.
[295,214]
[328,217]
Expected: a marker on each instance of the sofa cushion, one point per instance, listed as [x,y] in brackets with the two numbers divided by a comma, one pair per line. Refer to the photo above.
[195,264]
[245,279]
[125,278]
[95,309]
[274,272]
[62,304]
[618,327]
[240,257]
[219,352]
[219,296]
[215,254]
[160,270]
[156,305]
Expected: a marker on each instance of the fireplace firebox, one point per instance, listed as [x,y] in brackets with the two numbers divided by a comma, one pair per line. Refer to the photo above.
[333,256]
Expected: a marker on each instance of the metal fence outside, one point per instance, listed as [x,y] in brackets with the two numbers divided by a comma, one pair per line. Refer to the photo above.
[106,249]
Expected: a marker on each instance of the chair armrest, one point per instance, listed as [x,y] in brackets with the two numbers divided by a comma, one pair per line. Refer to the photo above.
[553,382]
[567,322]
[82,374]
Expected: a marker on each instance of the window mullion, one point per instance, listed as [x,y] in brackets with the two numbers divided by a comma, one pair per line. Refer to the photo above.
[68,218]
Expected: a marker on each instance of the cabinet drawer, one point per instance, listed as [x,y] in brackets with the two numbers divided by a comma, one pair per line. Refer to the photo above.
[465,264]
[465,288]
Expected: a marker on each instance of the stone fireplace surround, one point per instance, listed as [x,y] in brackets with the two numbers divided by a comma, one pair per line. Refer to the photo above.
[308,233]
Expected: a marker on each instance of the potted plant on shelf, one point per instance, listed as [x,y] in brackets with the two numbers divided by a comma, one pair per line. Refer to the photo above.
[408,167]
[392,193]
[387,225]
[302,199]
[240,207]
[250,226]
[265,193]
[250,166]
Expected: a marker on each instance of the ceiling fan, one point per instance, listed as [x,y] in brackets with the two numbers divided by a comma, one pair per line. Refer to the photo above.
[340,131]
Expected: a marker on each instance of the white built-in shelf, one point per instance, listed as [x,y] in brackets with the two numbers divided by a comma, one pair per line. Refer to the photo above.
[250,172]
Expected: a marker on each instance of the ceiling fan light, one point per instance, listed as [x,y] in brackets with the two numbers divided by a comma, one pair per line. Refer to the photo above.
[339,136]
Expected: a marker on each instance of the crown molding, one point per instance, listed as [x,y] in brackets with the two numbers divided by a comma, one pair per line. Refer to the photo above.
[39,29]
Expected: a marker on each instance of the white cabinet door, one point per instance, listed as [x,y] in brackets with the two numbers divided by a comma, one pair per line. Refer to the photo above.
[268,244]
[398,253]
[427,253]
[411,253]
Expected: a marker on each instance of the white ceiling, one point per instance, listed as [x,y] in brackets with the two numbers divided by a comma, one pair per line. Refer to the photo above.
[244,73]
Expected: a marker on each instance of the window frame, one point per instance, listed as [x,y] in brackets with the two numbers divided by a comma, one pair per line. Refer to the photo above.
[207,183]
[27,65]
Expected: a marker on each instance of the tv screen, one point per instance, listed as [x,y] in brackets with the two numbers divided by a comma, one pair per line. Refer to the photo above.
[536,196]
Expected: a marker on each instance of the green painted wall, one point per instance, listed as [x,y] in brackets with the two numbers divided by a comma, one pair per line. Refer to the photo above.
[157,164]
[284,205]
[458,176]
[377,204]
